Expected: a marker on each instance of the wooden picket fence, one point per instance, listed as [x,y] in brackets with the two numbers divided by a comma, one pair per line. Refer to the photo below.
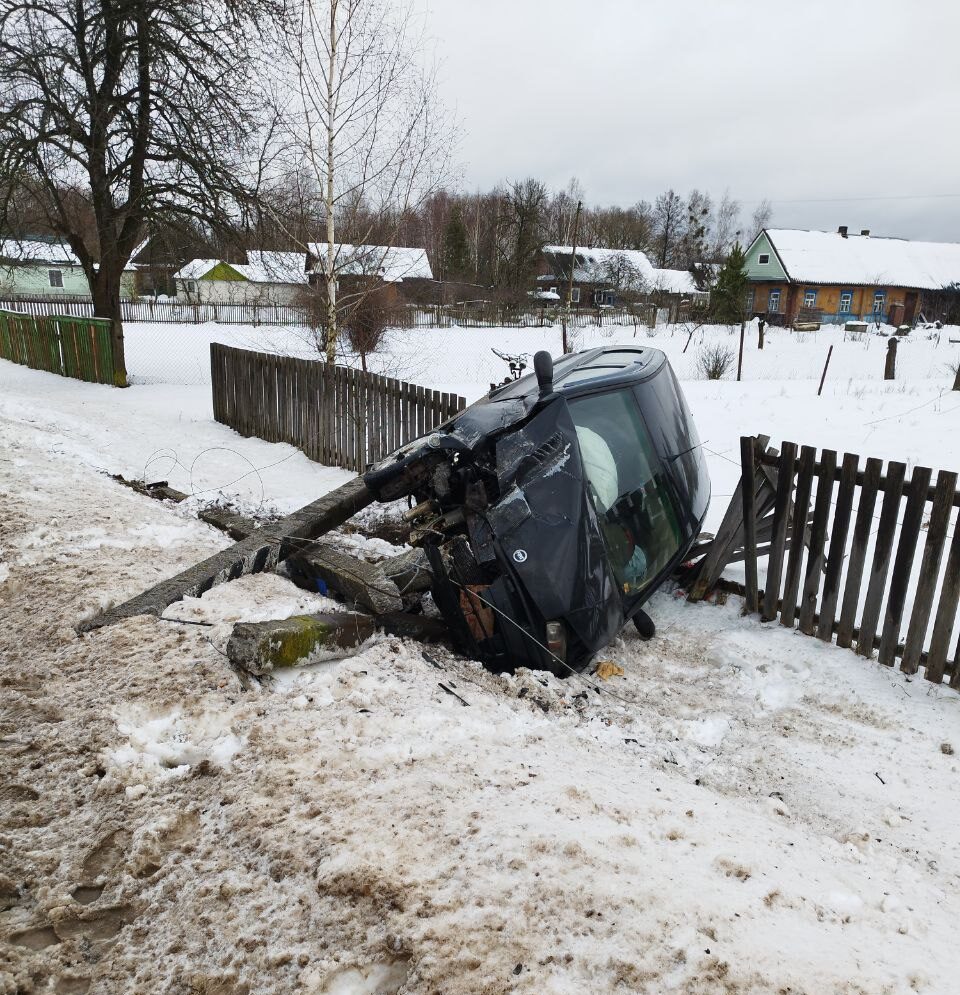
[334,414]
[72,347]
[838,567]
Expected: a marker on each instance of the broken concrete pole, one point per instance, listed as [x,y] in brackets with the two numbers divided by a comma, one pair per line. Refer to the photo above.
[322,568]
[262,550]
[236,526]
[259,647]
[410,571]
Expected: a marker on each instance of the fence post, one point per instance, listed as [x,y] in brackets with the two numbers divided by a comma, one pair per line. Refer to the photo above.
[890,367]
[748,489]
[823,376]
[743,332]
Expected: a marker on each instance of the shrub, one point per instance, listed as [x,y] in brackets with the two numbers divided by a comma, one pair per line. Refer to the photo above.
[366,320]
[715,361]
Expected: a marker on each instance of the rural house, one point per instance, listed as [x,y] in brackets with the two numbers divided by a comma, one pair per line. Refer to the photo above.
[608,277]
[402,270]
[838,276]
[265,278]
[41,267]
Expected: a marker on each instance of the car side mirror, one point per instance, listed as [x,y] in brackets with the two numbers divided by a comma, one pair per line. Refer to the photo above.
[543,367]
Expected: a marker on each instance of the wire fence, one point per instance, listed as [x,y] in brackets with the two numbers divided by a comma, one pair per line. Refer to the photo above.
[464,313]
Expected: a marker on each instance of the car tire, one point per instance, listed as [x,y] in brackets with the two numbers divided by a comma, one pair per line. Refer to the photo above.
[645,626]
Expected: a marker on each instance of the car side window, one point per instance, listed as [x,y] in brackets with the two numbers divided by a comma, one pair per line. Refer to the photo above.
[627,487]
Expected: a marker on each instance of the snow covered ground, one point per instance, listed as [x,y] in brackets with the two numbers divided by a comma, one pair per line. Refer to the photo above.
[744,810]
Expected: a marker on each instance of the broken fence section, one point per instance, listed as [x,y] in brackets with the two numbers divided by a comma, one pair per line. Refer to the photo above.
[80,348]
[334,414]
[855,549]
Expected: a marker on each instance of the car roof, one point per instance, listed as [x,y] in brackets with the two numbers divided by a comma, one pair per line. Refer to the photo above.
[580,372]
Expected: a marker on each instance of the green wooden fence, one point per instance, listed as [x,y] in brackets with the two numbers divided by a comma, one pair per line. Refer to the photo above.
[72,347]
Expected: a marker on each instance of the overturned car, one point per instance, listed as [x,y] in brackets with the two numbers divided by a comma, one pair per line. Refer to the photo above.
[553,508]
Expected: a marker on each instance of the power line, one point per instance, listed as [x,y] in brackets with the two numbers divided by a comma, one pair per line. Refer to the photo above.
[846,200]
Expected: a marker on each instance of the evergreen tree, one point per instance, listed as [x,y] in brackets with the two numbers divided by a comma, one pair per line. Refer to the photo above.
[728,302]
[456,248]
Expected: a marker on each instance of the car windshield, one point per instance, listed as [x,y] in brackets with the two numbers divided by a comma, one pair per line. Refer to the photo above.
[627,486]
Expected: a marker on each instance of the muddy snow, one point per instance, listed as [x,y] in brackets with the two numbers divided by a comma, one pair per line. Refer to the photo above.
[745,810]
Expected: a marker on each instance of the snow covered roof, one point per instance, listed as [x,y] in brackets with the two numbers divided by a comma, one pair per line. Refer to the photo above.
[195,269]
[628,268]
[392,264]
[674,281]
[37,251]
[544,295]
[274,267]
[829,257]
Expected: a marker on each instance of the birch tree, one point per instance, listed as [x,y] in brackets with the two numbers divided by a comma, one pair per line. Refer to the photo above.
[365,117]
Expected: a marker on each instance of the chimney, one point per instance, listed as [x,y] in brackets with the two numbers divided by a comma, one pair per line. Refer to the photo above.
[842,231]
[865,232]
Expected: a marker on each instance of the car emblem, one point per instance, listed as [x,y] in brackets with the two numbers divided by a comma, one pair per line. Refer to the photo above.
[520,556]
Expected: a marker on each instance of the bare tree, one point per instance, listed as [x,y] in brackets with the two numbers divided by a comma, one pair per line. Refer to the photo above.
[363,115]
[761,219]
[525,223]
[668,218]
[725,228]
[621,273]
[115,115]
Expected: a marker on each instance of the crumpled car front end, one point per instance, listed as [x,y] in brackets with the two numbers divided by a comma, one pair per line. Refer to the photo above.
[548,512]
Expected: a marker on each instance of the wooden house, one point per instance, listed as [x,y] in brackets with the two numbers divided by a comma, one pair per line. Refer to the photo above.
[402,271]
[835,277]
[611,277]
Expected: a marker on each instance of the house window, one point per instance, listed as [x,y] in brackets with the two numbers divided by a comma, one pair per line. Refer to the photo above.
[809,298]
[846,302]
[575,295]
[763,258]
[879,302]
[751,298]
[553,290]
[773,301]
[55,277]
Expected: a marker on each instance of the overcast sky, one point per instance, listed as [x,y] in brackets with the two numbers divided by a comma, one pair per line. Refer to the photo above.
[813,104]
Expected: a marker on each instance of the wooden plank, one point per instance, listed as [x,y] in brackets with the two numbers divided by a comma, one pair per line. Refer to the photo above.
[801,510]
[748,494]
[729,534]
[838,546]
[882,554]
[350,453]
[903,563]
[396,427]
[328,420]
[781,517]
[946,615]
[339,414]
[858,551]
[818,533]
[929,571]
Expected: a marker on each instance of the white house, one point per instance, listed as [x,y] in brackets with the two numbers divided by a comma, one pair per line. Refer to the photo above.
[265,278]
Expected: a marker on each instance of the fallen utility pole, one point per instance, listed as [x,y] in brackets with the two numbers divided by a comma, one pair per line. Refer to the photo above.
[262,550]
